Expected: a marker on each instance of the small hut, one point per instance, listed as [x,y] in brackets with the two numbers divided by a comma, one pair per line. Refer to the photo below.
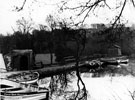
[22,60]
[114,50]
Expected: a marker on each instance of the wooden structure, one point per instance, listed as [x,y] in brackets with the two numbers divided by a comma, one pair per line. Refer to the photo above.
[22,60]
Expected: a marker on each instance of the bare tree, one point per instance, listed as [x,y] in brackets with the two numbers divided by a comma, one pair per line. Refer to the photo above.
[51,22]
[80,39]
[52,25]
[24,26]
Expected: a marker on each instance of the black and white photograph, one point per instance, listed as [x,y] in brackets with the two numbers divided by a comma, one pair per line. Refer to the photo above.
[67,50]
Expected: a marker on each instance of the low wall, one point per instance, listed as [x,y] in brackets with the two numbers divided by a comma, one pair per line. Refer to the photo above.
[44,58]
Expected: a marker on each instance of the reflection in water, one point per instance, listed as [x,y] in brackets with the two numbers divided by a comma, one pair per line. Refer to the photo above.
[64,87]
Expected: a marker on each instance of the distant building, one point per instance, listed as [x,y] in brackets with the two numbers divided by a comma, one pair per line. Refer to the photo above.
[114,50]
[98,26]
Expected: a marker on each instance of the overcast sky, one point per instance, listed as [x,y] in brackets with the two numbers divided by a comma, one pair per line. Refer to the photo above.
[39,11]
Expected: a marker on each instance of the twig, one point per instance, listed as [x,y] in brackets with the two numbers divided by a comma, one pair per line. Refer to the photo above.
[119,13]
[19,9]
[133,2]
[132,94]
[107,4]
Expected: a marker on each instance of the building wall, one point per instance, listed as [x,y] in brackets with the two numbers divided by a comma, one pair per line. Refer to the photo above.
[44,58]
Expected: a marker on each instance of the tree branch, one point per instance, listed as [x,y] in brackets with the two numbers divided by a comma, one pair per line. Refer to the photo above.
[118,17]
[107,4]
[133,2]
[21,8]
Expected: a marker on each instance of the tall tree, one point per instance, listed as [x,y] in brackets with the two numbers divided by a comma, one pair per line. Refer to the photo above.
[52,25]
[80,39]
[24,26]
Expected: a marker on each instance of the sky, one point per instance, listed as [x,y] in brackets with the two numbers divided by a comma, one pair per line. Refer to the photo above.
[37,11]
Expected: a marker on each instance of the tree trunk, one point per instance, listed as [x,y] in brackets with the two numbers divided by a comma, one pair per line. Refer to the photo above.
[51,70]
[56,70]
